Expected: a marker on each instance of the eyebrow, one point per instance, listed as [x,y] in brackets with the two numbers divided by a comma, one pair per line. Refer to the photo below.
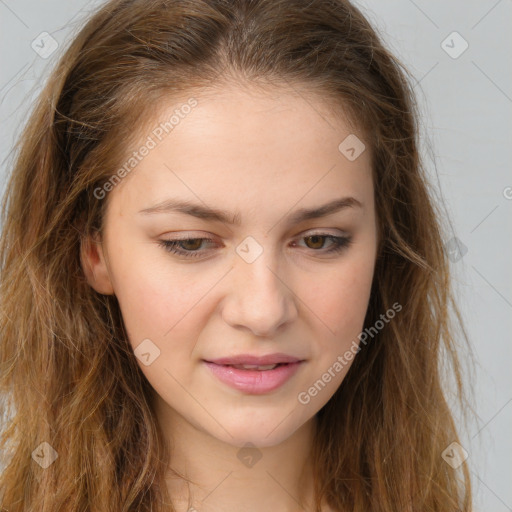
[213,214]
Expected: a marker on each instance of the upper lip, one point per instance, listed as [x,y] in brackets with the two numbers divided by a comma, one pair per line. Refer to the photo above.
[255,360]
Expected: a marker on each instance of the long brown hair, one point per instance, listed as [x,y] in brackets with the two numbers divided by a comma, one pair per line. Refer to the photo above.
[67,372]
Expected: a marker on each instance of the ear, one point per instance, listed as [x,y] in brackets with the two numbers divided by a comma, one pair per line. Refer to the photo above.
[94,264]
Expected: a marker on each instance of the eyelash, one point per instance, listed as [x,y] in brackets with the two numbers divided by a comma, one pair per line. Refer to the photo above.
[340,243]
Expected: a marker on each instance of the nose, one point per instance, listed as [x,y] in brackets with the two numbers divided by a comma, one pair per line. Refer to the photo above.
[259,299]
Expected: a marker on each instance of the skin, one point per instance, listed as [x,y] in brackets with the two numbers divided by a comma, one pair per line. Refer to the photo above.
[263,155]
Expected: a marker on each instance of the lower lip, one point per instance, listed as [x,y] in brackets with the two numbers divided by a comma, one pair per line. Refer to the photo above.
[254,382]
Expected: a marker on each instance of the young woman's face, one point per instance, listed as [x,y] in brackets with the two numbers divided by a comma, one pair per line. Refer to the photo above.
[273,282]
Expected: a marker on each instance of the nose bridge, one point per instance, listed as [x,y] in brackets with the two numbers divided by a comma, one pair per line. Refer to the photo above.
[260,300]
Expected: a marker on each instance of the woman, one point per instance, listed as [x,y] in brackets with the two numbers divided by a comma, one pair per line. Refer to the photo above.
[223,277]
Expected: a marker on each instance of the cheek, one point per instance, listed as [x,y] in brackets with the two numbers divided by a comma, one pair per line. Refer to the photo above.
[337,306]
[163,318]
[156,300]
[339,299]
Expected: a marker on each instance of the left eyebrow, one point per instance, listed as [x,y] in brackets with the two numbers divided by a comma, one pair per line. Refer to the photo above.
[327,209]
[213,214]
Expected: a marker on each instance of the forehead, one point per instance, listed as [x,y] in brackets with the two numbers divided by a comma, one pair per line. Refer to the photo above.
[245,146]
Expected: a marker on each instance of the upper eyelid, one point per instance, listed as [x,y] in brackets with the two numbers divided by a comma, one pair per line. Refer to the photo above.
[311,232]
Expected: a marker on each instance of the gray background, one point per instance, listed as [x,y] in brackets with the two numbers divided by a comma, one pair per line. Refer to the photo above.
[466,103]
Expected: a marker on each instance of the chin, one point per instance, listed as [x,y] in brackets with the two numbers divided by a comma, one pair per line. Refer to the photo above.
[250,438]
[269,433]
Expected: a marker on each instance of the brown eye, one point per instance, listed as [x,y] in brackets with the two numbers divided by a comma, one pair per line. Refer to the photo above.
[186,247]
[192,247]
[317,241]
[191,244]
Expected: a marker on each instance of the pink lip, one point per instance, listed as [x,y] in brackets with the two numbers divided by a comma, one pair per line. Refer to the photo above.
[254,382]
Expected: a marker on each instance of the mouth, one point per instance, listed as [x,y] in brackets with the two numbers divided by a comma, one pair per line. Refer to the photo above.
[251,361]
[262,368]
[254,379]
